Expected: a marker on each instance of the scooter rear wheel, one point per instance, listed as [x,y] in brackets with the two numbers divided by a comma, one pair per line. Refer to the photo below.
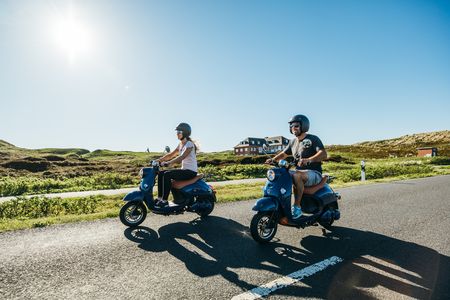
[133,213]
[327,224]
[261,229]
[203,213]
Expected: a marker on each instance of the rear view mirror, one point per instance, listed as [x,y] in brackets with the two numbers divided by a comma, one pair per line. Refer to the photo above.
[167,149]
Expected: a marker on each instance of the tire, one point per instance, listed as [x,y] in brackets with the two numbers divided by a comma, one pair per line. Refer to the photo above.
[258,229]
[328,224]
[133,213]
[205,212]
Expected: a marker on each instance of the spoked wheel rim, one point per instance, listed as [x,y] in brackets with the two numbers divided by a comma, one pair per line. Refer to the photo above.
[263,226]
[134,213]
[263,231]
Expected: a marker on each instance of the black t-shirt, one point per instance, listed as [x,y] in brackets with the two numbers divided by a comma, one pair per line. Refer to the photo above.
[305,148]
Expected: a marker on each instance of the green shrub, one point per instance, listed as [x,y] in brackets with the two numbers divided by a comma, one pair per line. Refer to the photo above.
[378,171]
[39,207]
[235,171]
[10,186]
[440,160]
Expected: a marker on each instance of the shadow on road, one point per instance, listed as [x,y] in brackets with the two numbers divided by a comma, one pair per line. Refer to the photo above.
[216,246]
[373,260]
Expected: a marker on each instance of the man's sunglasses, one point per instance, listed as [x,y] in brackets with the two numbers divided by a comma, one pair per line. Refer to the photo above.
[179,132]
[295,125]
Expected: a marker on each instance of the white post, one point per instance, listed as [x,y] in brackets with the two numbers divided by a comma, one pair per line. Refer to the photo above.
[363,170]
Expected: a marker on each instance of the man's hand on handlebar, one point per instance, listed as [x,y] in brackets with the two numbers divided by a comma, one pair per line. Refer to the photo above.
[304,162]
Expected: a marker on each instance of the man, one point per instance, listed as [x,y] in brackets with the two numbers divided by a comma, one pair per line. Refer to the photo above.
[309,151]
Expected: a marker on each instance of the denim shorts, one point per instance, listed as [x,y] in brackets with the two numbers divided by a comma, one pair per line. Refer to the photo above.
[314,177]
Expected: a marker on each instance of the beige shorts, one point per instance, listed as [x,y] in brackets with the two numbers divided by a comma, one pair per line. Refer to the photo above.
[314,177]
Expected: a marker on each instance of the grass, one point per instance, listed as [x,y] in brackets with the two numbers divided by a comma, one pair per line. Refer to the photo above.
[75,169]
[239,192]
[42,211]
[23,213]
[11,186]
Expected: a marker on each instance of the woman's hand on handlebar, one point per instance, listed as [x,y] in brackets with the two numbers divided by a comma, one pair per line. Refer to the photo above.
[269,161]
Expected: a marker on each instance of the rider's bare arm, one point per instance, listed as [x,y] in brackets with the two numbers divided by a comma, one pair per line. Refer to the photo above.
[181,157]
[278,157]
[318,157]
[169,156]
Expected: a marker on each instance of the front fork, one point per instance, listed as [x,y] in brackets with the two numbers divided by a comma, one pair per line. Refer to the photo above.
[273,220]
[149,201]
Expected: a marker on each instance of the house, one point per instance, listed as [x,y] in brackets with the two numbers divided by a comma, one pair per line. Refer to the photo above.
[426,152]
[254,146]
[276,143]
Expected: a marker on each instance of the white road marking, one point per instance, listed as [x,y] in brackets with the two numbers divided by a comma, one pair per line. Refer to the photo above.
[285,281]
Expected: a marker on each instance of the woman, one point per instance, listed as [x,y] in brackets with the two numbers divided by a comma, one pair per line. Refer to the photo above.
[184,153]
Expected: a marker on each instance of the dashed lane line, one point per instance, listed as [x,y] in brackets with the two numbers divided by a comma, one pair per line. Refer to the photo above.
[285,281]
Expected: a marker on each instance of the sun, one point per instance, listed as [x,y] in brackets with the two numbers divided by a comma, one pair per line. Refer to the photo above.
[72,36]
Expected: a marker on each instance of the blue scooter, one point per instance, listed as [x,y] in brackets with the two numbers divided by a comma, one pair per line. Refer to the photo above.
[319,202]
[193,195]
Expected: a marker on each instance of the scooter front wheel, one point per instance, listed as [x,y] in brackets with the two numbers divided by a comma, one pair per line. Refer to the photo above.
[262,227]
[133,213]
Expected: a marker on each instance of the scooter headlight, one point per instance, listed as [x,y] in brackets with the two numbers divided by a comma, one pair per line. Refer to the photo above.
[271,175]
[141,173]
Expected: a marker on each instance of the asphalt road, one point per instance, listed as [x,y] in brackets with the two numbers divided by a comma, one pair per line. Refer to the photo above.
[393,241]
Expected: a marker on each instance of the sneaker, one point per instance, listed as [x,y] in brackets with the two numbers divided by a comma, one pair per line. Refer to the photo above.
[296,212]
[161,203]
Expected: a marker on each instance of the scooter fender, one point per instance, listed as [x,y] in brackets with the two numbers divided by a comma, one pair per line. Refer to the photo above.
[198,188]
[134,196]
[325,195]
[266,204]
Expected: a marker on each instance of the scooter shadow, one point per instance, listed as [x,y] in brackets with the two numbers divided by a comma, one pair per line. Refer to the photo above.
[216,246]
[375,263]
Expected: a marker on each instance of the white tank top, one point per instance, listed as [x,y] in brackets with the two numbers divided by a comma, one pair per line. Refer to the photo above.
[190,162]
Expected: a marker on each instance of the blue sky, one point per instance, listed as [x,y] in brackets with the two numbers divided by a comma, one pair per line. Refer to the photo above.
[121,75]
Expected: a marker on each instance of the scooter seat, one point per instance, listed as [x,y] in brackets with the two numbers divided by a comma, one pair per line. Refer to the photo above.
[313,189]
[181,184]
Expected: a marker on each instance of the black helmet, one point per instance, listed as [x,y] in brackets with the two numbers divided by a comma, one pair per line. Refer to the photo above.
[185,128]
[303,120]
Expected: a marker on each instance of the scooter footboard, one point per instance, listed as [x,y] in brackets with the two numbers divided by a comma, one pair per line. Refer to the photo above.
[266,204]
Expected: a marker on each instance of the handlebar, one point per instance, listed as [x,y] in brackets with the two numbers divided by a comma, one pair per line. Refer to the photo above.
[282,163]
[286,164]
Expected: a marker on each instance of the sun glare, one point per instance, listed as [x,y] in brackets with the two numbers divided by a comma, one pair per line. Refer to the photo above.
[72,36]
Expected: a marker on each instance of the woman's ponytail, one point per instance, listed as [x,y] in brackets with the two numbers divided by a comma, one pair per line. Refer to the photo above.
[196,147]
